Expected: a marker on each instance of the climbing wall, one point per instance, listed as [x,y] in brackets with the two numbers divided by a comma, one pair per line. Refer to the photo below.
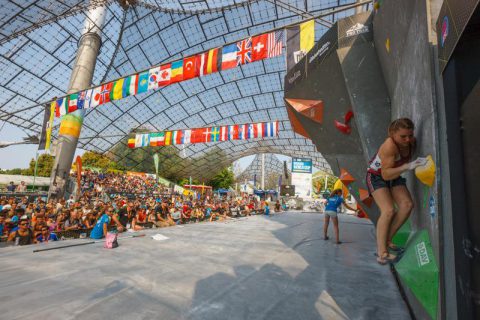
[366,71]
[342,73]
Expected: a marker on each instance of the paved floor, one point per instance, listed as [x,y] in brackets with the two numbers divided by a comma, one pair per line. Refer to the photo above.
[252,268]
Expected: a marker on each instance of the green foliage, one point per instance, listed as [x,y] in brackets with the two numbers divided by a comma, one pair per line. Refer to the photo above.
[45,164]
[224,179]
[318,182]
[96,160]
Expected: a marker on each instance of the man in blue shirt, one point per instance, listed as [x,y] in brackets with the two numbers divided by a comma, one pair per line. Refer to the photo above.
[334,201]
[100,228]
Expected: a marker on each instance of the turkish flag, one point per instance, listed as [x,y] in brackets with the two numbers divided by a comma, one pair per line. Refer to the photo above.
[197,135]
[259,47]
[165,73]
[189,68]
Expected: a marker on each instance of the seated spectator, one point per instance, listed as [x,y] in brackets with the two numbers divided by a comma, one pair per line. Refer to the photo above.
[24,235]
[140,219]
[45,235]
[73,223]
[175,214]
[277,206]
[100,229]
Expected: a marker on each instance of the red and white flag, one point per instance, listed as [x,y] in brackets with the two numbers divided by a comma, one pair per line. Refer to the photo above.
[260,47]
[223,133]
[189,68]
[164,75]
[103,96]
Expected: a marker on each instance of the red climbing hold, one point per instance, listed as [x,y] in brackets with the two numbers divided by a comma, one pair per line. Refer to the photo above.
[346,177]
[361,213]
[345,126]
[365,197]
[342,127]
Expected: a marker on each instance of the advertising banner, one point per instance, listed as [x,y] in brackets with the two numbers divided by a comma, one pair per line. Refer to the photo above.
[302,165]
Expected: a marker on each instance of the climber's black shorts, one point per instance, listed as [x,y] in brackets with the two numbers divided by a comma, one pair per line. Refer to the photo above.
[375,182]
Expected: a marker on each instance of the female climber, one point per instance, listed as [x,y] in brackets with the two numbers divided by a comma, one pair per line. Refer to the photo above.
[388,187]
[334,201]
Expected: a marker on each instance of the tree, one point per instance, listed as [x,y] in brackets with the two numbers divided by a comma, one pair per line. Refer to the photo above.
[44,167]
[224,179]
[97,160]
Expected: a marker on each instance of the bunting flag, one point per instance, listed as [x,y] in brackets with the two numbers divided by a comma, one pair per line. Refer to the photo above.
[117,89]
[267,45]
[61,107]
[203,135]
[229,56]
[207,62]
[244,51]
[255,48]
[177,71]
[190,68]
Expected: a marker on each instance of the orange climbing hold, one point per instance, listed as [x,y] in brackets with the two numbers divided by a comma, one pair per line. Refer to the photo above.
[312,109]
[346,177]
[365,197]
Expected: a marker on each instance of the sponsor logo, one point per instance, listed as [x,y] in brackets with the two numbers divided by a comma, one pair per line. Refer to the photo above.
[445,29]
[422,254]
[298,55]
[357,29]
[295,76]
[320,51]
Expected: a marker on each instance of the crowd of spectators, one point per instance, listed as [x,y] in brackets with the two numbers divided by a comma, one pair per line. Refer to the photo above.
[113,201]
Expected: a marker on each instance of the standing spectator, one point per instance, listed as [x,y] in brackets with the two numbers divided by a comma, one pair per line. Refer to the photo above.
[334,202]
[11,187]
[22,187]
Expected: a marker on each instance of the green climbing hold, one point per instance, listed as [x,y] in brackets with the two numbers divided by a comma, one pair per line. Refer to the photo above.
[419,272]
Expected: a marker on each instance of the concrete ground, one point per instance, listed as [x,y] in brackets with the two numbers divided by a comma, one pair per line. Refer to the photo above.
[276,267]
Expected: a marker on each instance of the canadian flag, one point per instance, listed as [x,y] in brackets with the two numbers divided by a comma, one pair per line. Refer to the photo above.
[164,75]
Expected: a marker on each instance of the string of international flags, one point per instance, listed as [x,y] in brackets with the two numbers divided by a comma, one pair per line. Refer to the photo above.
[300,38]
[206,134]
[245,51]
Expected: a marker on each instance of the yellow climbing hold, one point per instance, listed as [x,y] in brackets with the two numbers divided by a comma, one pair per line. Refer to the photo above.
[387,45]
[339,185]
[426,173]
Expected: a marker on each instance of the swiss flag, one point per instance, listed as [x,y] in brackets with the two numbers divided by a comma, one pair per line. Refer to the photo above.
[165,73]
[259,47]
[189,68]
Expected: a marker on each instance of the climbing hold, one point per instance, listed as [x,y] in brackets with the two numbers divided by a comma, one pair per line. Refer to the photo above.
[345,127]
[365,197]
[361,213]
[387,45]
[339,185]
[426,173]
[346,177]
[313,109]
[348,116]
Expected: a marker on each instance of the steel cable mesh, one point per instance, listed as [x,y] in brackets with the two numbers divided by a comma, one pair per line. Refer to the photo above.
[138,37]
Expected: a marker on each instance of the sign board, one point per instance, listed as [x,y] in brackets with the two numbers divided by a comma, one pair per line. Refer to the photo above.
[303,184]
[302,165]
